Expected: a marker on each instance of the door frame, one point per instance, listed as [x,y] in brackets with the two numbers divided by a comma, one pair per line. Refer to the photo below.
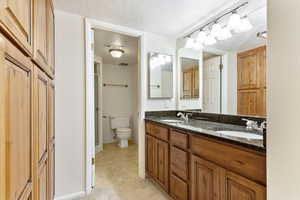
[99,61]
[91,24]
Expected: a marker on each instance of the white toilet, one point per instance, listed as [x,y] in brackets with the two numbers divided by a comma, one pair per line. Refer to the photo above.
[121,127]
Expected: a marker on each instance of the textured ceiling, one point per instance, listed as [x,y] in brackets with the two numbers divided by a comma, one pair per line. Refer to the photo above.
[165,17]
[129,45]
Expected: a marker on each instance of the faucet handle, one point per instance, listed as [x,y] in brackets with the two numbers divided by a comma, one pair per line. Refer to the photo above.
[180,114]
[249,122]
[263,125]
[189,114]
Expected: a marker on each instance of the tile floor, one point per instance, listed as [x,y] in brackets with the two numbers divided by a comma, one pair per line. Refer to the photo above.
[117,176]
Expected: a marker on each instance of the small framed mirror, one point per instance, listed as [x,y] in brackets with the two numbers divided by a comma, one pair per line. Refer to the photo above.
[160,80]
[189,74]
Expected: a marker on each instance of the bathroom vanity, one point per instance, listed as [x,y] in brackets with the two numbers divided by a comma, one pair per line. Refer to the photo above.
[195,161]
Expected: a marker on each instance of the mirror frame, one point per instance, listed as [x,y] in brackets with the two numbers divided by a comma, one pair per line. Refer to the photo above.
[149,76]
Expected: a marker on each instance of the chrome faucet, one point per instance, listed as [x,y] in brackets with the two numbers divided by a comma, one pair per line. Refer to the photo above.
[253,125]
[184,117]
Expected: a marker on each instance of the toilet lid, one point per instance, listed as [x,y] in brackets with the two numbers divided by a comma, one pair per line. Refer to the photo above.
[123,129]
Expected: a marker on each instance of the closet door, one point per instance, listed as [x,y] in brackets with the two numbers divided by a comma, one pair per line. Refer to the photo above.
[50,38]
[42,179]
[16,20]
[40,33]
[41,113]
[51,172]
[248,70]
[16,146]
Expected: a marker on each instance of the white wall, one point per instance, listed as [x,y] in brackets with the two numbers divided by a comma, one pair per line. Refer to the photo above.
[189,103]
[69,102]
[119,101]
[165,45]
[283,100]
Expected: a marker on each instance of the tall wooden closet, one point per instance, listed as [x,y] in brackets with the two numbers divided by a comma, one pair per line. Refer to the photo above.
[27,100]
[252,82]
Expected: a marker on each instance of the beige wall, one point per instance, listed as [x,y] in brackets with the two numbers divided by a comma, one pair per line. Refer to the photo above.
[283,139]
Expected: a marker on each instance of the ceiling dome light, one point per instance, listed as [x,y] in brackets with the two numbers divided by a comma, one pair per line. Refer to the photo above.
[245,25]
[224,34]
[189,43]
[116,53]
[210,40]
[216,28]
[234,21]
[201,36]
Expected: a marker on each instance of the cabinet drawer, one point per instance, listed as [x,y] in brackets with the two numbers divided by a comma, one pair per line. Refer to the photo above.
[179,162]
[157,131]
[247,163]
[179,139]
[178,188]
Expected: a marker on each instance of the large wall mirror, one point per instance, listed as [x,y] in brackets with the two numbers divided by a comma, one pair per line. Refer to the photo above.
[189,78]
[233,71]
[160,80]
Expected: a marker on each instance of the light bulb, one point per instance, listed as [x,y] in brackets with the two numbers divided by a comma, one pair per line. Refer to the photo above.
[216,28]
[189,43]
[234,21]
[210,40]
[224,34]
[245,25]
[201,36]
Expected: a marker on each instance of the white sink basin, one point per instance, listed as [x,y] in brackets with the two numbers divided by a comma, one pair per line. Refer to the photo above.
[172,121]
[239,134]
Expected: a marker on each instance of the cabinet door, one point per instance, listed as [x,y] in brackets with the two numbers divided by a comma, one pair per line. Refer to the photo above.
[42,180]
[162,164]
[187,84]
[178,188]
[51,168]
[263,67]
[16,132]
[41,107]
[248,67]
[205,180]
[40,33]
[239,188]
[16,20]
[248,102]
[51,111]
[50,38]
[151,159]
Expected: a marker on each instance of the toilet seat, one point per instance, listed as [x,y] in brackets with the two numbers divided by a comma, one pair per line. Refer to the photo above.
[123,130]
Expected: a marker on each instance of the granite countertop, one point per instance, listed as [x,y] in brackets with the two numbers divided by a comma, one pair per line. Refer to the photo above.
[209,129]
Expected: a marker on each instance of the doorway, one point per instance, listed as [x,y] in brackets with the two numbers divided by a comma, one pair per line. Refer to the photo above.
[91,27]
[212,83]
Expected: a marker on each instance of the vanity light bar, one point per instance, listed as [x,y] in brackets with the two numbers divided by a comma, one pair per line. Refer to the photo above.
[216,19]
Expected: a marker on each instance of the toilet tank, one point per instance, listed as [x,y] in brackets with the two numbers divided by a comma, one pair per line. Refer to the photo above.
[119,122]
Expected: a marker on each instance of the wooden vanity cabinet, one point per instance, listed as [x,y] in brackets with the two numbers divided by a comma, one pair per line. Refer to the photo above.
[203,168]
[206,180]
[240,188]
[157,157]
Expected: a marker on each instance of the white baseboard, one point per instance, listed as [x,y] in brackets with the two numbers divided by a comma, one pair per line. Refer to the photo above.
[72,196]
